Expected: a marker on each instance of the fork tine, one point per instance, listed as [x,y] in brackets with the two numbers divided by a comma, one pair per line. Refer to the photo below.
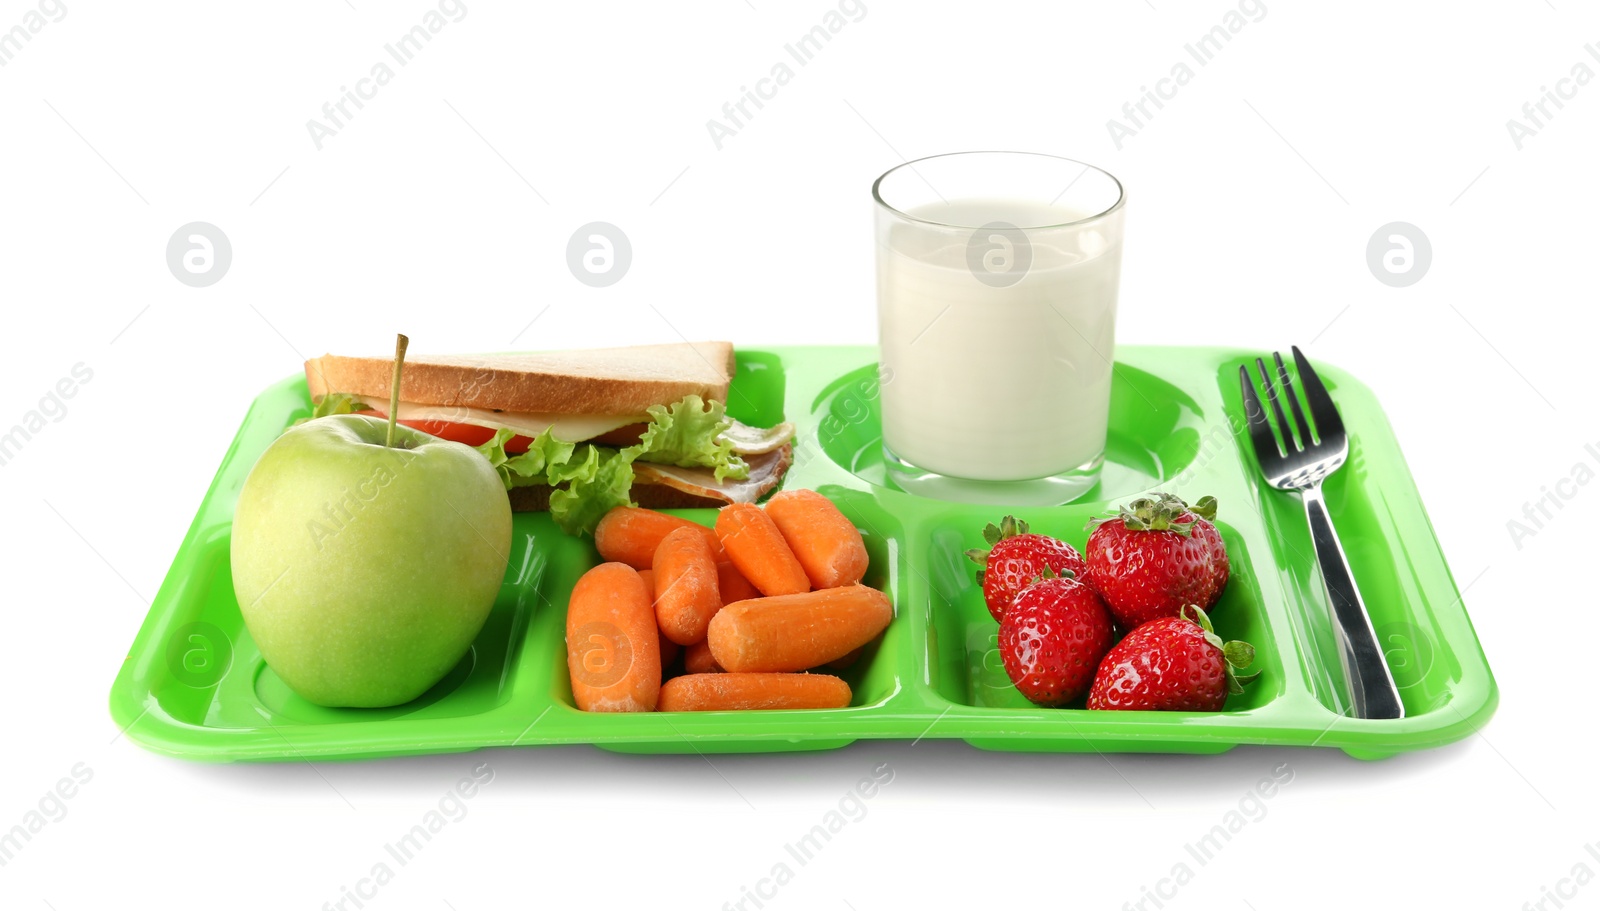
[1323,411]
[1294,403]
[1266,446]
[1287,433]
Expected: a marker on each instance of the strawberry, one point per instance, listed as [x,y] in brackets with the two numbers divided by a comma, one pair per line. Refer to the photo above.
[1052,639]
[1155,556]
[1015,559]
[1172,664]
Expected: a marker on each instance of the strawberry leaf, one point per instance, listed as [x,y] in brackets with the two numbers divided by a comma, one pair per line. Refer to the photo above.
[1236,683]
[1239,654]
[1049,573]
[1199,618]
[993,534]
[1162,512]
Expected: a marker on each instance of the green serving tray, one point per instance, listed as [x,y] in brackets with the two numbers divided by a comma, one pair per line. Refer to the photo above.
[194,684]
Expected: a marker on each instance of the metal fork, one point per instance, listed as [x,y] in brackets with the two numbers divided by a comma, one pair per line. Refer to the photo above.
[1307,455]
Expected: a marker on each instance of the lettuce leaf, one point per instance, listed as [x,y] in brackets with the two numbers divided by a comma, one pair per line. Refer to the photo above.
[546,455]
[336,403]
[604,482]
[588,480]
[689,434]
[595,478]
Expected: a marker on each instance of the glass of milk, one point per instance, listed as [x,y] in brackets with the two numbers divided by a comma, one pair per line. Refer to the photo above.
[997,302]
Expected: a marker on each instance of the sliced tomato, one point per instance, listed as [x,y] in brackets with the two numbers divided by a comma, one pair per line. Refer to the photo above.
[470,434]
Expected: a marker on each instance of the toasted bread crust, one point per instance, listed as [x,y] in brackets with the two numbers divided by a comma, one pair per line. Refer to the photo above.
[598,381]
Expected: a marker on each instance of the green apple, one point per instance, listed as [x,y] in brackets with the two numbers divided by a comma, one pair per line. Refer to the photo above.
[365,570]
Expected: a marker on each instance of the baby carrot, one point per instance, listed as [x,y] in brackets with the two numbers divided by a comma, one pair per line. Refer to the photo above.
[826,543]
[613,650]
[629,534]
[697,660]
[686,586]
[722,692]
[649,578]
[797,632]
[732,586]
[758,551]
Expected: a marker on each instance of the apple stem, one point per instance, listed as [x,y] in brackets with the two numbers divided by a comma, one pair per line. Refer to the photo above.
[400,343]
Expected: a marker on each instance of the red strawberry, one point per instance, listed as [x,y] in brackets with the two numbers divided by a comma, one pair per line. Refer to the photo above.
[1155,556]
[1052,638]
[1015,559]
[1174,664]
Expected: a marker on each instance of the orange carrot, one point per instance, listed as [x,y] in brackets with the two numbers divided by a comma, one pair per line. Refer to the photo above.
[732,586]
[723,692]
[757,549]
[686,586]
[796,632]
[826,543]
[697,660]
[630,534]
[613,650]
[649,578]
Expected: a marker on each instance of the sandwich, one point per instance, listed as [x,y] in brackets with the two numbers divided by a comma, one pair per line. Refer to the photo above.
[579,432]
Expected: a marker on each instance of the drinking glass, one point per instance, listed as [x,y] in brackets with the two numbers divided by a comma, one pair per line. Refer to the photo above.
[997,300]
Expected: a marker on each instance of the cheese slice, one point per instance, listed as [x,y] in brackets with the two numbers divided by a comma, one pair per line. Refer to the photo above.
[570,428]
[748,440]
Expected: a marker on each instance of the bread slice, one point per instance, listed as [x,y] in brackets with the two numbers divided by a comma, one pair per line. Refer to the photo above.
[595,381]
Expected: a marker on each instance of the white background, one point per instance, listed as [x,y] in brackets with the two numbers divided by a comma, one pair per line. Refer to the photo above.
[1252,197]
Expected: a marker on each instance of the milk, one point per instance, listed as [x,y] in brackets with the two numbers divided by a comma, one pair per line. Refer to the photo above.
[1003,379]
